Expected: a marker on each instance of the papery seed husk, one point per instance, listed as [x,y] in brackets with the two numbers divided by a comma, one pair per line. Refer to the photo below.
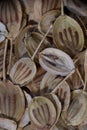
[48,19]
[63,93]
[76,112]
[34,85]
[55,100]
[68,35]
[42,112]
[12,100]
[11,16]
[49,82]
[3,32]
[32,43]
[23,71]
[74,81]
[56,61]
[44,6]
[77,7]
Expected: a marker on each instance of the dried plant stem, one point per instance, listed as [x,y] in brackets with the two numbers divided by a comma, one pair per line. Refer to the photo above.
[80,77]
[62,7]
[41,42]
[55,89]
[20,128]
[10,57]
[4,60]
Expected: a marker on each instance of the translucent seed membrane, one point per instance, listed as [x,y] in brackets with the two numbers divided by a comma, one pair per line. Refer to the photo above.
[42,112]
[23,71]
[56,61]
[12,102]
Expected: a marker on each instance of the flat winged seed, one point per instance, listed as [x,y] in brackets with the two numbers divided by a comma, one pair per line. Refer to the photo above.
[64,95]
[77,110]
[42,112]
[23,71]
[44,6]
[48,19]
[68,35]
[33,41]
[12,101]
[49,82]
[11,16]
[56,61]
[3,32]
[77,7]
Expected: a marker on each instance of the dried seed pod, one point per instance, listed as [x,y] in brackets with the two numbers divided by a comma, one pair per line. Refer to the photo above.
[74,81]
[7,61]
[76,112]
[78,7]
[48,19]
[34,85]
[68,35]
[25,118]
[23,71]
[56,61]
[55,100]
[11,16]
[12,102]
[33,41]
[44,6]
[64,95]
[49,82]
[28,5]
[7,124]
[42,112]
[3,32]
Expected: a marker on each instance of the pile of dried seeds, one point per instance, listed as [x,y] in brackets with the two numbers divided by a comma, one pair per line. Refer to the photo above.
[43,65]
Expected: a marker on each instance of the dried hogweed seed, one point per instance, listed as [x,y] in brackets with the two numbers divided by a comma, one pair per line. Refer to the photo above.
[56,61]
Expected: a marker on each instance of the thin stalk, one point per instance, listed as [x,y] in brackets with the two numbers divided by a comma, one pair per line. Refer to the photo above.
[4,60]
[55,89]
[41,42]
[80,78]
[10,57]
[62,7]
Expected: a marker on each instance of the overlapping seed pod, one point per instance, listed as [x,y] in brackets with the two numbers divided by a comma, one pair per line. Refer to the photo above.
[56,61]
[23,71]
[11,16]
[78,7]
[48,19]
[77,110]
[34,85]
[49,82]
[33,41]
[74,81]
[63,93]
[68,35]
[12,102]
[44,6]
[55,100]
[7,61]
[3,32]
[42,112]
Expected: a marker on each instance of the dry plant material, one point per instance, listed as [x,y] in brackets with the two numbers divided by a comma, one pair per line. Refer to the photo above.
[77,110]
[32,43]
[3,32]
[42,112]
[49,82]
[48,19]
[68,35]
[12,101]
[56,61]
[63,93]
[23,71]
